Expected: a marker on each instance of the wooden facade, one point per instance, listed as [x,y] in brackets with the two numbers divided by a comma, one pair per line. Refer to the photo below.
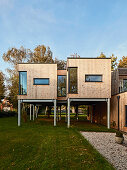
[87,92]
[122,111]
[92,66]
[85,89]
[40,71]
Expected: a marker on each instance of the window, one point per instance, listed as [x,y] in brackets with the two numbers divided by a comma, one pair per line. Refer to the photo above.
[23,83]
[61,86]
[72,79]
[93,78]
[123,85]
[41,81]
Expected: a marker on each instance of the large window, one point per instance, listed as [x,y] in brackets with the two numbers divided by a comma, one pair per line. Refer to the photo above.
[41,81]
[61,86]
[93,78]
[23,83]
[72,79]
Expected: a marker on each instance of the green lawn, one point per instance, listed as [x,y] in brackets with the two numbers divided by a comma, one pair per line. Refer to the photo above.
[39,145]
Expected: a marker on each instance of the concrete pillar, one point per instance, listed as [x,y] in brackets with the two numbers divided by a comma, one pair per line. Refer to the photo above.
[68,121]
[30,110]
[54,112]
[33,111]
[19,113]
[108,113]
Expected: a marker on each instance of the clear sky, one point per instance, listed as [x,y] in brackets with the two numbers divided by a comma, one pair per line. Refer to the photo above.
[86,27]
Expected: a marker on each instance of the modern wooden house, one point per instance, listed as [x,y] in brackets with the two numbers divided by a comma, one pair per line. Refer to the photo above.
[85,81]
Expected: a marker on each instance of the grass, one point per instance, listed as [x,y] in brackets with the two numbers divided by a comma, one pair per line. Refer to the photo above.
[39,145]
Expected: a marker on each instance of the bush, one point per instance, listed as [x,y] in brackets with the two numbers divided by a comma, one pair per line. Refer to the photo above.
[119,134]
[7,114]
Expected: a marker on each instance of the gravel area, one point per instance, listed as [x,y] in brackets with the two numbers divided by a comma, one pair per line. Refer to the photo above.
[115,153]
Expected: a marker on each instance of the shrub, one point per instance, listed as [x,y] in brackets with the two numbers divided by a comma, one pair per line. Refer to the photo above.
[113,124]
[7,114]
[119,134]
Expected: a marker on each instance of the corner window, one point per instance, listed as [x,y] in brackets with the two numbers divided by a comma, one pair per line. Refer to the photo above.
[72,71]
[93,78]
[41,81]
[22,83]
[61,86]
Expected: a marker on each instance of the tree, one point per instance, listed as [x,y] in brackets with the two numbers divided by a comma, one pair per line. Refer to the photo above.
[2,86]
[13,86]
[15,56]
[102,55]
[123,62]
[113,60]
[61,64]
[40,54]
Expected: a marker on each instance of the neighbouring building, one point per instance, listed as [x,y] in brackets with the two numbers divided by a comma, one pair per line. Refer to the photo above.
[119,99]
[86,81]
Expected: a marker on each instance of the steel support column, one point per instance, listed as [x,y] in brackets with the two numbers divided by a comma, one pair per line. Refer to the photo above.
[108,113]
[54,112]
[33,111]
[68,121]
[19,113]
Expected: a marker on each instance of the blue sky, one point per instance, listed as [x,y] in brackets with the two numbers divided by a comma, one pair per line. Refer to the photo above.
[86,27]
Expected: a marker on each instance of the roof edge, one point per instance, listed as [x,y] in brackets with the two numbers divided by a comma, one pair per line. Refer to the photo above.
[37,63]
[87,58]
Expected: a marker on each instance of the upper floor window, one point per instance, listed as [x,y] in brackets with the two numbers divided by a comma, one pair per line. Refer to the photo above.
[93,78]
[22,82]
[41,81]
[61,86]
[72,71]
[123,85]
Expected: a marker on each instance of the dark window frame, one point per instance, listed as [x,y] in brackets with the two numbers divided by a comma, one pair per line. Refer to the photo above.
[125,115]
[69,80]
[94,75]
[66,85]
[41,84]
[19,82]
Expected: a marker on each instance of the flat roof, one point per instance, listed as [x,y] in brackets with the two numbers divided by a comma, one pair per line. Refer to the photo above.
[87,58]
[36,63]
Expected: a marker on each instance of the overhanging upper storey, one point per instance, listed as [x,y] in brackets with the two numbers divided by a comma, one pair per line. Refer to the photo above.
[89,77]
[37,81]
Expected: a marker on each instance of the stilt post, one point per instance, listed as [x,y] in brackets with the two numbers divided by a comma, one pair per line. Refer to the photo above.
[108,113]
[68,121]
[19,113]
[54,112]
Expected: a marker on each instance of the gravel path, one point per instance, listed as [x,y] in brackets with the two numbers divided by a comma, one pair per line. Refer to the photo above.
[105,144]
